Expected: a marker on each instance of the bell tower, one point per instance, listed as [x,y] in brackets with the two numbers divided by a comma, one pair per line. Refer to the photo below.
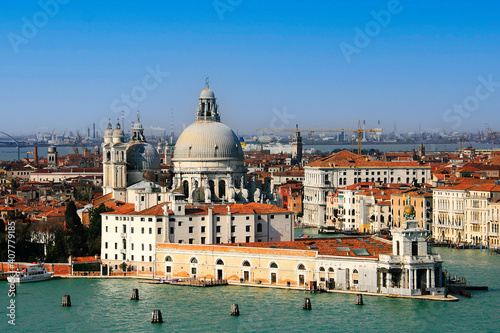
[297,147]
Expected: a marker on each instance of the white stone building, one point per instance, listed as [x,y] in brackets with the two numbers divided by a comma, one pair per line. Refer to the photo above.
[373,265]
[449,212]
[131,233]
[324,176]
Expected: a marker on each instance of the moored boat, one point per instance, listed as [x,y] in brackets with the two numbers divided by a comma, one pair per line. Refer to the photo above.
[3,275]
[327,229]
[31,273]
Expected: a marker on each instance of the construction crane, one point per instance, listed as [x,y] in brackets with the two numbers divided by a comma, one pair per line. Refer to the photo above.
[463,138]
[79,137]
[359,131]
[75,150]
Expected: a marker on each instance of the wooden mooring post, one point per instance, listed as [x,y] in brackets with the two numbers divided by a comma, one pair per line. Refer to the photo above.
[235,311]
[359,299]
[307,304]
[66,300]
[135,294]
[156,317]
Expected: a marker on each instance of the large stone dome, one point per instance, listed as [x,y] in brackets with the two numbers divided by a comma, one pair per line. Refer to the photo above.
[142,157]
[208,140]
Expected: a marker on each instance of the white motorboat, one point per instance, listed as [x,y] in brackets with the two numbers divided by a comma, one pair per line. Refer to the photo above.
[31,273]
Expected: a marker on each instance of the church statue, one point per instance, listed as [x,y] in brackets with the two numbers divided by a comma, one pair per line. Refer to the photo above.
[194,196]
[243,190]
[208,194]
[232,194]
[257,195]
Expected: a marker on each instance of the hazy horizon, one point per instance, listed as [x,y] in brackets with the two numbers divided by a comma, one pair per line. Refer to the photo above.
[68,64]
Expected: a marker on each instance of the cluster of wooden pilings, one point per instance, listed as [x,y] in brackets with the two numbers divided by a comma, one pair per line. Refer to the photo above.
[156,316]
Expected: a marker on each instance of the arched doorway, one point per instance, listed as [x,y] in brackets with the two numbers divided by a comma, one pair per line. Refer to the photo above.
[331,278]
[302,277]
[168,266]
[246,271]
[194,267]
[274,272]
[219,269]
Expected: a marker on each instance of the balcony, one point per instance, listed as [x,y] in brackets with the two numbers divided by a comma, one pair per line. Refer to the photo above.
[123,234]
[123,251]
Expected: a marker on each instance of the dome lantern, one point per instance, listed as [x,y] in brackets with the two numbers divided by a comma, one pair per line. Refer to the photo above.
[138,130]
[207,110]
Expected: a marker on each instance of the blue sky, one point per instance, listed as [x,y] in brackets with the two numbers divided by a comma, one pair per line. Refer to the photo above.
[270,63]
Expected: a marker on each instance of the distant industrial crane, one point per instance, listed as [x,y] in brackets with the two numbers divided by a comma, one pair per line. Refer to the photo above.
[359,130]
[463,138]
[79,137]
[75,150]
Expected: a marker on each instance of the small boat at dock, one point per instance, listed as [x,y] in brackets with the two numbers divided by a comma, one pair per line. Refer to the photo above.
[327,229]
[31,273]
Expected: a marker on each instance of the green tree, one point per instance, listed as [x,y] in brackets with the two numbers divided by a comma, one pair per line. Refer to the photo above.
[71,216]
[94,229]
[77,235]
[57,251]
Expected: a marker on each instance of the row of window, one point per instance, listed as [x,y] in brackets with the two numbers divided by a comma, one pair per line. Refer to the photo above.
[131,257]
[172,219]
[143,219]
[124,230]
[131,246]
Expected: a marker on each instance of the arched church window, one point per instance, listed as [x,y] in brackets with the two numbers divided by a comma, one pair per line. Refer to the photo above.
[222,189]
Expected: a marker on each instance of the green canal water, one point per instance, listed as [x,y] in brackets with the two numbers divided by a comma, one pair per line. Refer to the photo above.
[105,305]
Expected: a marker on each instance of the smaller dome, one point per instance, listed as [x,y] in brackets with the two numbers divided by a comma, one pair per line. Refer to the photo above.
[109,131]
[409,209]
[137,125]
[118,132]
[143,156]
[207,93]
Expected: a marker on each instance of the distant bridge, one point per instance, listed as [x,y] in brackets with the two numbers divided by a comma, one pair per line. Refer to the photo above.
[17,143]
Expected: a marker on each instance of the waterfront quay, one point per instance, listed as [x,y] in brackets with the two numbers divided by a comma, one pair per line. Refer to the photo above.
[104,304]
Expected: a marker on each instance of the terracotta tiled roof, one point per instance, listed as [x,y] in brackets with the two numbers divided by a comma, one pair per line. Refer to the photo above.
[250,208]
[487,188]
[330,247]
[348,159]
[84,259]
[124,209]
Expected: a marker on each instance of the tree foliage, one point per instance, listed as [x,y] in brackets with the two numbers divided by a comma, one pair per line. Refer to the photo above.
[71,216]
